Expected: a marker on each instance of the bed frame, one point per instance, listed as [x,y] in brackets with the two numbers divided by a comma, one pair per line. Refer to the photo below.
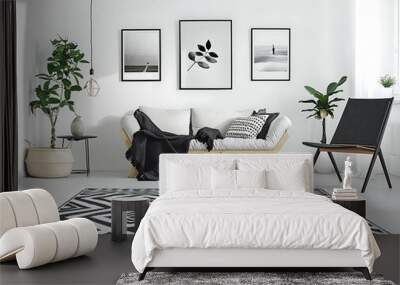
[244,259]
[255,259]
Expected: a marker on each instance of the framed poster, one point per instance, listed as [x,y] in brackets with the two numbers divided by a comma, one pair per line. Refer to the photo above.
[270,54]
[205,54]
[141,55]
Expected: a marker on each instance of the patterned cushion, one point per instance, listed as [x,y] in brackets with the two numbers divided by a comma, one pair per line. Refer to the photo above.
[246,127]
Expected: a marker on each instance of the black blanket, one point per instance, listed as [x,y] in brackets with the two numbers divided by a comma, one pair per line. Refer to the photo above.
[149,143]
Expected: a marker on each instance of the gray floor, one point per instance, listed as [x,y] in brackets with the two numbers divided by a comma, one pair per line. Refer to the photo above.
[103,266]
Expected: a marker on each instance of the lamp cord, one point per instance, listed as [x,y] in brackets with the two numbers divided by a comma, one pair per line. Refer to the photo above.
[91,38]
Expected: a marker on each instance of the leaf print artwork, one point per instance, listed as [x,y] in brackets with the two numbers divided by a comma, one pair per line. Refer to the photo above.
[203,56]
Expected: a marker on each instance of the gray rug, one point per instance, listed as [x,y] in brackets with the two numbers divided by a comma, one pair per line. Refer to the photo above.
[244,278]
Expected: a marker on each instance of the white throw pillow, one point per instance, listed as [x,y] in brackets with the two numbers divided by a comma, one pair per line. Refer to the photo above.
[251,179]
[216,118]
[182,177]
[223,179]
[176,121]
[292,179]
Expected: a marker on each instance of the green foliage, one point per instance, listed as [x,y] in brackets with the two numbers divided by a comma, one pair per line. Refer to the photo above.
[387,81]
[60,81]
[323,104]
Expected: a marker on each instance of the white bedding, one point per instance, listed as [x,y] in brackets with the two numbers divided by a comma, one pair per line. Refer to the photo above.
[251,218]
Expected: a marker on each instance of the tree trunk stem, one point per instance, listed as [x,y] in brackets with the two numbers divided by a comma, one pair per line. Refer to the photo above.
[323,140]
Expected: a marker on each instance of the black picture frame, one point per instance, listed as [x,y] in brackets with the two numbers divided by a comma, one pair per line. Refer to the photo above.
[180,56]
[252,54]
[159,53]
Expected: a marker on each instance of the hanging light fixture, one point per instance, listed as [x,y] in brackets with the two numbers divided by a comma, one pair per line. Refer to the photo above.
[91,86]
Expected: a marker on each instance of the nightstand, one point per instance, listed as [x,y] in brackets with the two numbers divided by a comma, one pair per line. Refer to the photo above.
[357,206]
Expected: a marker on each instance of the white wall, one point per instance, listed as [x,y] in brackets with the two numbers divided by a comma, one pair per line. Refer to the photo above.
[322,51]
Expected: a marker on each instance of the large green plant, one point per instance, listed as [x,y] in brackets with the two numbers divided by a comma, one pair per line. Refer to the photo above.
[323,104]
[60,81]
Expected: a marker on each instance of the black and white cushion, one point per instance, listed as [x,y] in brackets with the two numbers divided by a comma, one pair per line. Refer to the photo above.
[246,127]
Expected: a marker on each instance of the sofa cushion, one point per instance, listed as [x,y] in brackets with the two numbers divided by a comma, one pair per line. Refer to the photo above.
[246,127]
[216,118]
[264,131]
[176,121]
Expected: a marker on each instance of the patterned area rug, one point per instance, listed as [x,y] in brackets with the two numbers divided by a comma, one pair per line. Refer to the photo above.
[95,205]
[244,278]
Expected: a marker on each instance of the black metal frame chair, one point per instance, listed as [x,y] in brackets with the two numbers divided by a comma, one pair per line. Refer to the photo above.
[360,130]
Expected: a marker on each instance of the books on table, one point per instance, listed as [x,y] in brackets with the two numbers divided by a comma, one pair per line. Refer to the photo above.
[344,194]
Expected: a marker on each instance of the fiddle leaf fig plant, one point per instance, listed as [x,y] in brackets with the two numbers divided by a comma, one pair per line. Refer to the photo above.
[323,105]
[60,81]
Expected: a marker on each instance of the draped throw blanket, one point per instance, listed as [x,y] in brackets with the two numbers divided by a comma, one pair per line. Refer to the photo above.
[150,142]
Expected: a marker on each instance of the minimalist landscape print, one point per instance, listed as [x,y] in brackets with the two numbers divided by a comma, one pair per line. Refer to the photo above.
[141,55]
[270,54]
[205,54]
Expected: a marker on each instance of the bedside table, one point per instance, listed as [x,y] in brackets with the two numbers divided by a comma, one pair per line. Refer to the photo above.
[357,206]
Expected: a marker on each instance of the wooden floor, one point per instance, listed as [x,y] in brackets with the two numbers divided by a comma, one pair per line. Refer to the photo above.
[111,259]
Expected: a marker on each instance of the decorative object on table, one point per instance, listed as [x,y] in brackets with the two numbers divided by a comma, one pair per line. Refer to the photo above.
[141,55]
[60,81]
[95,204]
[359,133]
[87,150]
[323,104]
[270,54]
[387,81]
[205,54]
[91,86]
[119,207]
[347,174]
[31,231]
[77,126]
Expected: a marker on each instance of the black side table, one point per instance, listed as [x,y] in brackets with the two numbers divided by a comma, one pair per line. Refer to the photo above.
[356,206]
[119,206]
[87,150]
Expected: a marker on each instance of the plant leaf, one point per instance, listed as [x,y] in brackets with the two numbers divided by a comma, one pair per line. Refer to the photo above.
[201,48]
[213,54]
[192,56]
[331,88]
[203,64]
[76,88]
[210,59]
[199,53]
[342,80]
[336,100]
[314,92]
[308,101]
[208,44]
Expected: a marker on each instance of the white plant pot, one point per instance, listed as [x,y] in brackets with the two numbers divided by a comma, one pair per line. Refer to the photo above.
[49,162]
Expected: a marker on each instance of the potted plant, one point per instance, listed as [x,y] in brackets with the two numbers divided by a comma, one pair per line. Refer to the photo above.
[323,104]
[387,83]
[53,94]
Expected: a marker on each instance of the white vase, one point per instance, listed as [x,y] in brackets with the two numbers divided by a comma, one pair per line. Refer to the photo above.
[49,162]
[77,127]
[386,92]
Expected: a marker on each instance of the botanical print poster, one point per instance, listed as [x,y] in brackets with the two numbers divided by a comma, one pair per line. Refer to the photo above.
[205,54]
[270,50]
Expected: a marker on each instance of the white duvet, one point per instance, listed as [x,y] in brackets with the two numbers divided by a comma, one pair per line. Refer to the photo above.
[250,219]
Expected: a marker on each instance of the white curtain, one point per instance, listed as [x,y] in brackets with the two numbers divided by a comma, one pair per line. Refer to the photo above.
[376,54]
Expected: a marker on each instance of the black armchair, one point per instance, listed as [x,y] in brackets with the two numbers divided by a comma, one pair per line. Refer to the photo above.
[360,130]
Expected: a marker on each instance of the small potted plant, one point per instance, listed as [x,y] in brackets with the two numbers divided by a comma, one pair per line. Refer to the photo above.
[53,94]
[387,83]
[323,104]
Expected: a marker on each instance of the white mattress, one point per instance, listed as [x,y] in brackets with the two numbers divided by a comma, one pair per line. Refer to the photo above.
[253,218]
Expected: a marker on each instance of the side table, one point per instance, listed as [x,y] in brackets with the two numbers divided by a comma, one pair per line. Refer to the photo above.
[119,206]
[87,150]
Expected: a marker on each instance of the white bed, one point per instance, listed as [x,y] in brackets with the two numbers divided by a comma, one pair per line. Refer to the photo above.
[226,218]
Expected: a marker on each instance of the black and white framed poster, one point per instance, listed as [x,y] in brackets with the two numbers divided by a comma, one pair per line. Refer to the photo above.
[205,54]
[270,54]
[141,55]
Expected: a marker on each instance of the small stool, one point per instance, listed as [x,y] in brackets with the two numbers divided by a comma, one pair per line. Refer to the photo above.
[119,206]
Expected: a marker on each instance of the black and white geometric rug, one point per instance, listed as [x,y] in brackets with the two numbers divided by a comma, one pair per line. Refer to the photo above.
[95,205]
